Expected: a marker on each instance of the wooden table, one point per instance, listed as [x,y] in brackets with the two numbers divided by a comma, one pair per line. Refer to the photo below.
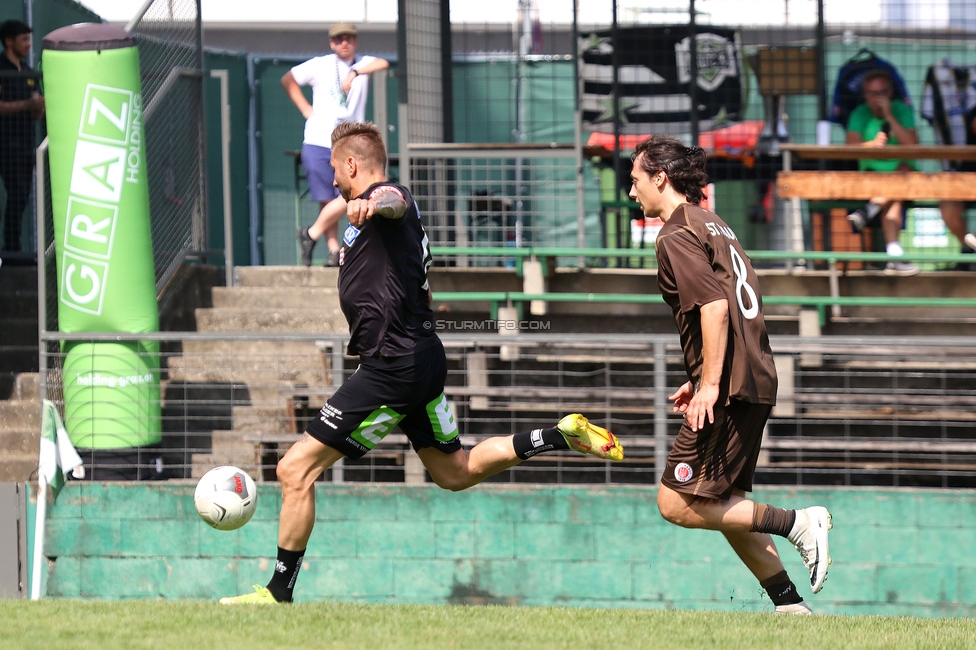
[835,185]
[849,185]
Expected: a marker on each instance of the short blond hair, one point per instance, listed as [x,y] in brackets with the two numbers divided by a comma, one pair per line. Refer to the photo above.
[362,141]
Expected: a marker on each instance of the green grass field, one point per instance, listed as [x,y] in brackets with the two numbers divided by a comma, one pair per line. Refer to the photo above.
[82,625]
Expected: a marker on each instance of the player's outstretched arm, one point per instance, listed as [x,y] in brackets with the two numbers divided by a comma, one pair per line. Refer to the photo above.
[388,205]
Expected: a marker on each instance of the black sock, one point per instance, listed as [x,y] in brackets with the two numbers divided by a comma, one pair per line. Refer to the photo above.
[871,210]
[282,583]
[535,442]
[781,589]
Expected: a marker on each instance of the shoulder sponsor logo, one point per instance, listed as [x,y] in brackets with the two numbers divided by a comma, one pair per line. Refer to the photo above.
[349,237]
[683,473]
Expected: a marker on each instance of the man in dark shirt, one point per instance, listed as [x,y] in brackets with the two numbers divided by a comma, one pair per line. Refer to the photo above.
[710,285]
[385,296]
[21,105]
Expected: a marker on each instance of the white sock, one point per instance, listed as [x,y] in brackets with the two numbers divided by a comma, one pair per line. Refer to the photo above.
[895,249]
[801,523]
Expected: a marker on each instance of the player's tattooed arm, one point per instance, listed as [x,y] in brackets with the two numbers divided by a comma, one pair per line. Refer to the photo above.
[390,205]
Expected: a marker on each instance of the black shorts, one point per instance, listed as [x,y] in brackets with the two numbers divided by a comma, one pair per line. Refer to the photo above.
[385,393]
[721,456]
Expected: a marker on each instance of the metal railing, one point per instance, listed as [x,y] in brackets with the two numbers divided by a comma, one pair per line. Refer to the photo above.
[851,411]
[797,262]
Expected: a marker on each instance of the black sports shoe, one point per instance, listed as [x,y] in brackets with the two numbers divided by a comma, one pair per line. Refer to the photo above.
[332,259]
[858,219]
[307,245]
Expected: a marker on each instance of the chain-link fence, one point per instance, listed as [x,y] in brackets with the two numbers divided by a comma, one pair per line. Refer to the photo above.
[850,411]
[766,74]
[171,66]
[169,39]
[502,196]
[168,34]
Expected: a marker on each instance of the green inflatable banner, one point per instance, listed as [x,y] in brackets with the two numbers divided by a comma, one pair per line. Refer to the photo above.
[100,202]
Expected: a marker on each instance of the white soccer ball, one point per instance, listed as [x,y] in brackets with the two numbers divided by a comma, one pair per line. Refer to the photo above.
[226,497]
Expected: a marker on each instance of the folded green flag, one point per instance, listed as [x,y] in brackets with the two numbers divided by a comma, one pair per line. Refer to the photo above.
[58,455]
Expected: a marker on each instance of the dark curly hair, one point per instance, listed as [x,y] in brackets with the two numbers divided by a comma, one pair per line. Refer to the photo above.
[684,166]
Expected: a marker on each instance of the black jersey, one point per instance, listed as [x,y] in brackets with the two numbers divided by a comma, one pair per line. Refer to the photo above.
[701,260]
[17,129]
[383,288]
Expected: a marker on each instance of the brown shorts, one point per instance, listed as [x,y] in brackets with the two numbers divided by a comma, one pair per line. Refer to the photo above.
[721,457]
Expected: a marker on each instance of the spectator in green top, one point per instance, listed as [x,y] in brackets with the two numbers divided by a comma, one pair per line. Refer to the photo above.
[880,121]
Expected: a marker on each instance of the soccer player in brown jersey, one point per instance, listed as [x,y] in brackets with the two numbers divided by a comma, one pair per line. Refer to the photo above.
[707,279]
[385,296]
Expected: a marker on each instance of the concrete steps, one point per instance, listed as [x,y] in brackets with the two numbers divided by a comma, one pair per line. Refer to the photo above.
[18,468]
[229,448]
[275,297]
[286,276]
[278,299]
[261,419]
[20,428]
[260,318]
[268,373]
[18,325]
[265,367]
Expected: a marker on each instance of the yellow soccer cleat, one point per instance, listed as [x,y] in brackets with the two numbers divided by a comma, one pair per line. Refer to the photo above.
[590,439]
[261,596]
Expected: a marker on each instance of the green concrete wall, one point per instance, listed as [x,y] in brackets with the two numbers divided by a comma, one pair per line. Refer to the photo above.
[895,551]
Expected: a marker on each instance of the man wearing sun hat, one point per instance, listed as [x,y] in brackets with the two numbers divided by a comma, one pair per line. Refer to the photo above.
[340,85]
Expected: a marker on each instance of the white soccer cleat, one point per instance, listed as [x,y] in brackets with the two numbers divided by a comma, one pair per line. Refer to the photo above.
[797,609]
[809,536]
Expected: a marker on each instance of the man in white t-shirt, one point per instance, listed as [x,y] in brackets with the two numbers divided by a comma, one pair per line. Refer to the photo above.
[340,84]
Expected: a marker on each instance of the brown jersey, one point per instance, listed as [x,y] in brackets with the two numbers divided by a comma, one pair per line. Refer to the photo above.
[700,260]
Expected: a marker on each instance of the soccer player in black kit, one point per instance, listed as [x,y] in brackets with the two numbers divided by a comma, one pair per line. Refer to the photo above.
[384,294]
